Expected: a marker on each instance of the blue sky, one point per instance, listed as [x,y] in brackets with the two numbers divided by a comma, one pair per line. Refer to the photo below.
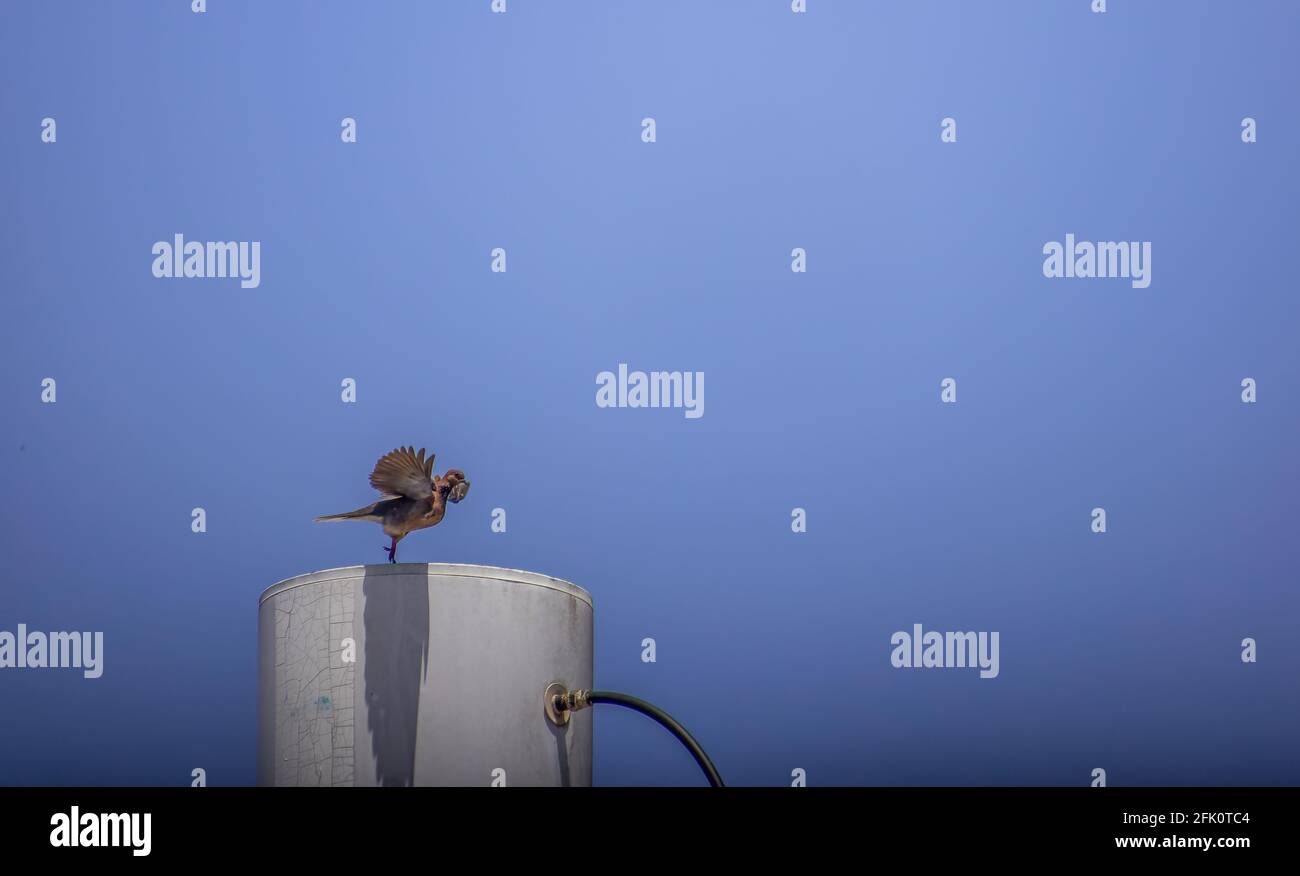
[774,131]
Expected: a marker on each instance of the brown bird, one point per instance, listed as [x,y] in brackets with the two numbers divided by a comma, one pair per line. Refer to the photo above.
[413,496]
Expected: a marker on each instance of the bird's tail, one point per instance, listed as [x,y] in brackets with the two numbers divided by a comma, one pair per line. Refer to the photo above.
[366,513]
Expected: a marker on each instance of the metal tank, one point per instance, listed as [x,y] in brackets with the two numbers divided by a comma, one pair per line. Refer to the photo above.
[421,674]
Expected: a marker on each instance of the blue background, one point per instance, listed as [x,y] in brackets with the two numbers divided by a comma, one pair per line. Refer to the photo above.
[775,130]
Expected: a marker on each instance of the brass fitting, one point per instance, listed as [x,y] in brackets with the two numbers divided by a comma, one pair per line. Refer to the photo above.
[560,702]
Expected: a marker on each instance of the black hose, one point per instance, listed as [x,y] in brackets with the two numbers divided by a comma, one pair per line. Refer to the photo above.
[667,720]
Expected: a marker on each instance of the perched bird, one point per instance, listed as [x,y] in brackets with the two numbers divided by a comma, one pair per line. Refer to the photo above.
[413,496]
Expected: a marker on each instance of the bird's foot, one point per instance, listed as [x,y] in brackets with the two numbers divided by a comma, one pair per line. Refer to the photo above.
[392,553]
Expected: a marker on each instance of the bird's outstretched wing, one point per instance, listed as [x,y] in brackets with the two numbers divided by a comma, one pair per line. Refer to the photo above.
[405,473]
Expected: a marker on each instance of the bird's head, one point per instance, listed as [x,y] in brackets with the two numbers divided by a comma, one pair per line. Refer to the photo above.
[455,484]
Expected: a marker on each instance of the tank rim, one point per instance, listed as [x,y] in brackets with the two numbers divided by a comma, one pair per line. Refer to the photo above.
[458,570]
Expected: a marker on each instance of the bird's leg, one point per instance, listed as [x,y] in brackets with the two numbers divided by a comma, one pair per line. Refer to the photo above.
[392,551]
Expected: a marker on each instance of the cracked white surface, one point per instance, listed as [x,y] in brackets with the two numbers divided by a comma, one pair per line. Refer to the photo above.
[315,712]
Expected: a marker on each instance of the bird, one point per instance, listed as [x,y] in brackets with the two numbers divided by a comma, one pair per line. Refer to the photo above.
[412,496]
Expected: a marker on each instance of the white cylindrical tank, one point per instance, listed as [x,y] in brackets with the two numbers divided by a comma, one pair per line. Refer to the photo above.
[421,674]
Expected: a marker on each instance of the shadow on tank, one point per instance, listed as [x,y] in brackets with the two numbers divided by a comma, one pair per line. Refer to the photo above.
[396,624]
